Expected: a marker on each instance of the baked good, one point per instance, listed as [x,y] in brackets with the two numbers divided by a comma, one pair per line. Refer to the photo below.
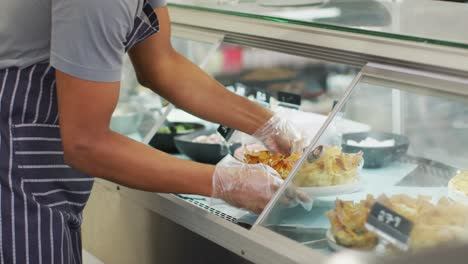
[333,167]
[460,182]
[282,164]
[348,221]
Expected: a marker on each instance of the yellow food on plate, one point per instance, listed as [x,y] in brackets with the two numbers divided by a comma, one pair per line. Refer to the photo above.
[407,206]
[282,164]
[445,222]
[347,224]
[460,182]
[333,167]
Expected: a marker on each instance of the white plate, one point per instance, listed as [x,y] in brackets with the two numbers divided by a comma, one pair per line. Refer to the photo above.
[338,248]
[279,3]
[333,190]
[456,195]
[332,243]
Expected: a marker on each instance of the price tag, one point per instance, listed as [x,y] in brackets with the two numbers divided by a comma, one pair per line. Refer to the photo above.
[240,89]
[226,132]
[262,96]
[389,226]
[289,100]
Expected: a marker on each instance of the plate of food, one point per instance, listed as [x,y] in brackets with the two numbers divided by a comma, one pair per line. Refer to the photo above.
[332,172]
[348,229]
[280,163]
[434,223]
[458,188]
[337,247]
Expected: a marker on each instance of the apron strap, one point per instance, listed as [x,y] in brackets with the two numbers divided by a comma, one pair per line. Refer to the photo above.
[149,12]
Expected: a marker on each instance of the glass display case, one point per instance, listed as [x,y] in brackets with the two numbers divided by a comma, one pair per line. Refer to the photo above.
[398,139]
[387,94]
[249,72]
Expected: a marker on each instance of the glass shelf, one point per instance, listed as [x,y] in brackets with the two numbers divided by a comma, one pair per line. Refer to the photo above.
[436,22]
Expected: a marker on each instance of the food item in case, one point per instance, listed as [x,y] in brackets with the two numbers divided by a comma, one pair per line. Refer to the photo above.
[445,222]
[348,221]
[214,138]
[333,167]
[460,182]
[433,224]
[407,206]
[266,74]
[282,164]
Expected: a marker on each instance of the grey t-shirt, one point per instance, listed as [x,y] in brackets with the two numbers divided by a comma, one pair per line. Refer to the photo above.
[83,38]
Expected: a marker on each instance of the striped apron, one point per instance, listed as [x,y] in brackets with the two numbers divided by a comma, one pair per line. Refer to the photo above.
[42,198]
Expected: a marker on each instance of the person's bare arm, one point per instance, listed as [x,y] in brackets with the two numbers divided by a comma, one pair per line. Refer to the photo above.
[162,69]
[85,109]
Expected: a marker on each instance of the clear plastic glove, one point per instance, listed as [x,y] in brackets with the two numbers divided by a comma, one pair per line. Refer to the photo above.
[245,185]
[280,136]
[251,186]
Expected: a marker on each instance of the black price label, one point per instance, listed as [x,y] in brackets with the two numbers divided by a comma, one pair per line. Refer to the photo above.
[226,132]
[335,102]
[289,100]
[389,225]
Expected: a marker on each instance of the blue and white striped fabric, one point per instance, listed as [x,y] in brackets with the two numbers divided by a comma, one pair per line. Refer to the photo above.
[41,197]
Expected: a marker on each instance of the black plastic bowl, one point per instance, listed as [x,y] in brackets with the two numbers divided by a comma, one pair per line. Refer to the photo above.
[377,157]
[202,152]
[165,141]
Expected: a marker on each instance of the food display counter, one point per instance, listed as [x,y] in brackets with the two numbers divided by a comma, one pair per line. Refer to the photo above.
[384,94]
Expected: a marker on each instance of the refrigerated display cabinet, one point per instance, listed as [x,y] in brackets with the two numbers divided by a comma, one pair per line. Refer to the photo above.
[403,76]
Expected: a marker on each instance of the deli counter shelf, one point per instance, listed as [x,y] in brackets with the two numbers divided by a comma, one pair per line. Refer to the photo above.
[392,78]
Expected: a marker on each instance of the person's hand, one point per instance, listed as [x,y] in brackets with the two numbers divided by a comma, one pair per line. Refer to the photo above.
[280,136]
[249,186]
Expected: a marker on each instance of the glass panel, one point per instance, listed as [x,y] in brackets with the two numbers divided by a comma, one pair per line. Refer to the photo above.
[437,22]
[139,108]
[405,148]
[319,83]
[247,70]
